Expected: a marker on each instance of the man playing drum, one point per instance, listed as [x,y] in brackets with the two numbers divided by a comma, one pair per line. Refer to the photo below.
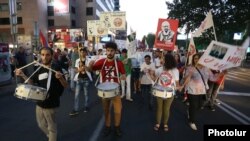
[109,72]
[54,82]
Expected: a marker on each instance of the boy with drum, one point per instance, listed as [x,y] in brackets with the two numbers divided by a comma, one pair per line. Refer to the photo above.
[110,68]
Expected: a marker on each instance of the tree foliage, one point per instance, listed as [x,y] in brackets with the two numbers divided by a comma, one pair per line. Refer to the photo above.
[150,39]
[229,16]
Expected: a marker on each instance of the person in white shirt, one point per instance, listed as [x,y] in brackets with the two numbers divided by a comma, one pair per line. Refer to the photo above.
[167,77]
[82,78]
[157,59]
[146,81]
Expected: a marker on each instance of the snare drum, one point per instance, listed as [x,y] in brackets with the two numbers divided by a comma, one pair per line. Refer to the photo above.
[108,89]
[162,92]
[30,92]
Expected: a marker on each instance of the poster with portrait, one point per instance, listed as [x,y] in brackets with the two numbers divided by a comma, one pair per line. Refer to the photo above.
[221,56]
[96,28]
[91,25]
[105,18]
[166,34]
[114,20]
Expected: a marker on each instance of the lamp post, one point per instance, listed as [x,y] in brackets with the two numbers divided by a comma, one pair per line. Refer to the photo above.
[13,21]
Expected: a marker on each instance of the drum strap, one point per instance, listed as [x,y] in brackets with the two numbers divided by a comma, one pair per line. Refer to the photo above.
[117,73]
[49,80]
[99,76]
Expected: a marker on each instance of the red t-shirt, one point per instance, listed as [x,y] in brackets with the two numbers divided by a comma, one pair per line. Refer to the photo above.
[108,72]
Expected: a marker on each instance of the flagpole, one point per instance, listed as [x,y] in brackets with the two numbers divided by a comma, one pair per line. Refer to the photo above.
[214,33]
[214,28]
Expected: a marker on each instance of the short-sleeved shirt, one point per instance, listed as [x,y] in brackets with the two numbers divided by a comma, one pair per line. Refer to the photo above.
[109,72]
[196,85]
[146,79]
[127,66]
[86,62]
[174,75]
[55,90]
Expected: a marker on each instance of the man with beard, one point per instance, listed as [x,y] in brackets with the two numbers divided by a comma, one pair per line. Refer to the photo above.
[109,68]
[166,34]
[55,83]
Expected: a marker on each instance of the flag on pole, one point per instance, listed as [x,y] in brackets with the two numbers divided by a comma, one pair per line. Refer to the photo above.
[191,50]
[207,23]
[43,39]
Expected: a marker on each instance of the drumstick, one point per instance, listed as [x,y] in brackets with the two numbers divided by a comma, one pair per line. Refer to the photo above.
[27,65]
[47,67]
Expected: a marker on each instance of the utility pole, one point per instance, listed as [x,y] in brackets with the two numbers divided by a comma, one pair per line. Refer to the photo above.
[13,21]
[35,42]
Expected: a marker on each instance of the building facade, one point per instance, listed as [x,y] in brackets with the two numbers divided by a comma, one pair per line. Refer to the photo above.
[52,17]
[28,13]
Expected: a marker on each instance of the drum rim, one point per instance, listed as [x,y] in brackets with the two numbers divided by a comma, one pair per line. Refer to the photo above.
[163,90]
[108,90]
[32,86]
[28,99]
[172,95]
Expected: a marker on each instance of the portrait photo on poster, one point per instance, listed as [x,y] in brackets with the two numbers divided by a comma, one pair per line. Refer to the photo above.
[166,34]
[218,51]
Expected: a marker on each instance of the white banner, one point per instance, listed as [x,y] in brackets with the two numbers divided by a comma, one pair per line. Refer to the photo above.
[114,20]
[132,48]
[207,23]
[221,56]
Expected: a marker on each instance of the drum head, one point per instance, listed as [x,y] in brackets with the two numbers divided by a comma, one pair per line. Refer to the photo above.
[161,88]
[108,86]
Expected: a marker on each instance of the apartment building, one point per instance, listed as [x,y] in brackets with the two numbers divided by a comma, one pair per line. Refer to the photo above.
[54,18]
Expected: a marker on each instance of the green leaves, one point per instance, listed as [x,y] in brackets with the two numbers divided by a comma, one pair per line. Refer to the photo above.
[229,16]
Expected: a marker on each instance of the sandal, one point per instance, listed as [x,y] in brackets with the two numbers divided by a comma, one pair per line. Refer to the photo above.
[156,127]
[165,128]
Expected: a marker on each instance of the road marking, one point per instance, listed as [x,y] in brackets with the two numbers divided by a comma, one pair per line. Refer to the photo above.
[234,93]
[244,119]
[98,129]
[237,78]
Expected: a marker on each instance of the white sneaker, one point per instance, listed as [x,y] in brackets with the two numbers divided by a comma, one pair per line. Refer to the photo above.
[122,95]
[129,99]
[193,126]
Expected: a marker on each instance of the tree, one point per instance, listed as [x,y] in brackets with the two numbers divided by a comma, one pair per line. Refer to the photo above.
[150,39]
[229,16]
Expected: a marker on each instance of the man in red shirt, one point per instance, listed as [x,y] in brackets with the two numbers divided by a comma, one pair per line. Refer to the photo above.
[109,73]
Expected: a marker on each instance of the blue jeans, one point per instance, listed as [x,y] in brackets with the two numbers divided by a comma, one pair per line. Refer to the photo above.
[81,83]
[72,75]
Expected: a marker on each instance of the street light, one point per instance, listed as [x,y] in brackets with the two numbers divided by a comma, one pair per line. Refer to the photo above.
[13,20]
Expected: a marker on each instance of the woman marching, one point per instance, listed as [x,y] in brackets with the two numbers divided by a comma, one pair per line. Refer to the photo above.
[195,81]
[166,77]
